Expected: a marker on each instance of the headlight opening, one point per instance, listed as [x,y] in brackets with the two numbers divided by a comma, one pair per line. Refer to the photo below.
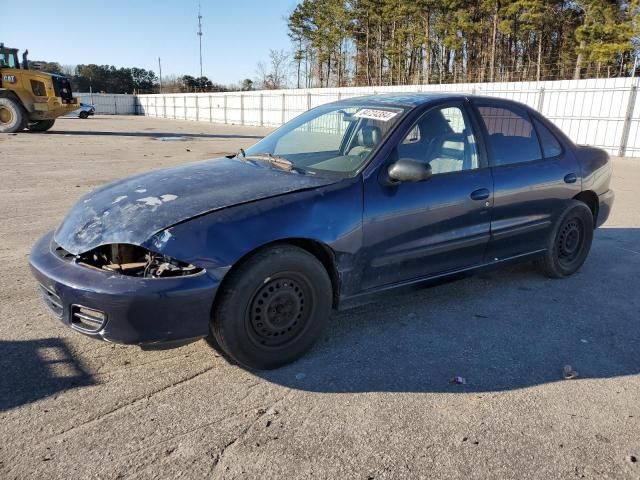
[135,261]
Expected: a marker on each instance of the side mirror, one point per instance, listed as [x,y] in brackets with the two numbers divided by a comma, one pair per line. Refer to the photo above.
[407,170]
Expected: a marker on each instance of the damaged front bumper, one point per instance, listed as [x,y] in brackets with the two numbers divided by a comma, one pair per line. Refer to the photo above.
[150,312]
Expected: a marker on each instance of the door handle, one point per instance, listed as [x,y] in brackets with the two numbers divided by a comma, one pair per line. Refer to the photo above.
[570,178]
[480,194]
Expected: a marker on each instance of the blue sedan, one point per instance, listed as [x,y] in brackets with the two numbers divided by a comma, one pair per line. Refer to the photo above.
[345,202]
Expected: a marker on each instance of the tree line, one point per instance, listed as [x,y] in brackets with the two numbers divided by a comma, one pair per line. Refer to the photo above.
[111,79]
[394,42]
[103,78]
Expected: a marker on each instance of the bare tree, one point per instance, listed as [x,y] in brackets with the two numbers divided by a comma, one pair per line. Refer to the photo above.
[69,70]
[273,76]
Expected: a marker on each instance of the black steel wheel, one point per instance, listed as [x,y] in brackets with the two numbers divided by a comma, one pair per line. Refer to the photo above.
[280,310]
[570,241]
[272,307]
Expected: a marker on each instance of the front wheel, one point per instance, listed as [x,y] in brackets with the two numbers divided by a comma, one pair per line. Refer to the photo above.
[40,125]
[569,242]
[273,307]
[84,115]
[12,116]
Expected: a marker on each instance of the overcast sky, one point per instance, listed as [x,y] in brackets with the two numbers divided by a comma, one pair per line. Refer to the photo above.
[237,33]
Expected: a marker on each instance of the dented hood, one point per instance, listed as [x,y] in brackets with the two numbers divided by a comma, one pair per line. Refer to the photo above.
[133,209]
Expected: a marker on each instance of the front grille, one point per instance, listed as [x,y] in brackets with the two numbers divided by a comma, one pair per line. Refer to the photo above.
[52,301]
[86,319]
[62,88]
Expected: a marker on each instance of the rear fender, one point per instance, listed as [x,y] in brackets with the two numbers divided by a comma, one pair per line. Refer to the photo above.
[596,169]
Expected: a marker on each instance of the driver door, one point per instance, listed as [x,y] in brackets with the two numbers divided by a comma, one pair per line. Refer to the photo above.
[423,229]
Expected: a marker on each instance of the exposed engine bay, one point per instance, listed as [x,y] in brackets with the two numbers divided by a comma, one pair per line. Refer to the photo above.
[135,261]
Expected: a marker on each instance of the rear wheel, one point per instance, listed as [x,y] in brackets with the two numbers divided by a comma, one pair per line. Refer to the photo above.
[40,125]
[273,307]
[569,242]
[12,116]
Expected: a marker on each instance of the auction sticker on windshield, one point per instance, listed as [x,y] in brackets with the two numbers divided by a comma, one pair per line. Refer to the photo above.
[374,114]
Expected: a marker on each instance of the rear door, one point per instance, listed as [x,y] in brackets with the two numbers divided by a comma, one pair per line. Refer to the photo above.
[533,174]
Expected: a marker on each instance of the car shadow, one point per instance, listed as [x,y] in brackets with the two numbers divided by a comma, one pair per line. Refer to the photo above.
[151,134]
[35,369]
[499,331]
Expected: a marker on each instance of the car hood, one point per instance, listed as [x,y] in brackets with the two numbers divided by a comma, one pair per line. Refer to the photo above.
[134,209]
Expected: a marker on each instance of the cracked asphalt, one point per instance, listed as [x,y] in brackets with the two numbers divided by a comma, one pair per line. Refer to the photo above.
[372,400]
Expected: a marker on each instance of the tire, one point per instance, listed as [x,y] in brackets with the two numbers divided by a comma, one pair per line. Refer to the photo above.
[12,116]
[273,307]
[84,115]
[569,243]
[40,125]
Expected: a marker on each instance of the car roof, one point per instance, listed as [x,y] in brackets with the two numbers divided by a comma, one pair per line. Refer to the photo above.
[408,99]
[415,99]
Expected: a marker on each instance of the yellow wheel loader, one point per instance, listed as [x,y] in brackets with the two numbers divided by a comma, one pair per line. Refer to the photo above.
[30,99]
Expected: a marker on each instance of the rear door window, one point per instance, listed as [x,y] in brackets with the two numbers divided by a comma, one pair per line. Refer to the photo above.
[512,138]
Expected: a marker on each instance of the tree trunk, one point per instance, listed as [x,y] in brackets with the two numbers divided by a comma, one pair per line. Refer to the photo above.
[380,53]
[393,46]
[576,73]
[494,36]
[368,54]
[299,59]
[340,64]
[539,62]
[427,50]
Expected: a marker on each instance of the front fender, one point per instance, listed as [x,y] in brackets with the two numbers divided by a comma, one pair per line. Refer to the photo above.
[331,215]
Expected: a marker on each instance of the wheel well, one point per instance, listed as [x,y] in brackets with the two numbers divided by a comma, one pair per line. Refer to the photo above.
[5,93]
[589,198]
[326,256]
[10,94]
[321,251]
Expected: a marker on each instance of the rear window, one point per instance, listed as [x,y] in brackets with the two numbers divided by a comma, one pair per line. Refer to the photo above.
[512,138]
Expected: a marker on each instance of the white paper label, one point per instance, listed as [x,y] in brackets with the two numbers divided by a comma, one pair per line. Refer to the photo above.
[373,114]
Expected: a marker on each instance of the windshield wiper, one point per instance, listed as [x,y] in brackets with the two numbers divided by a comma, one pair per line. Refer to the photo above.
[237,154]
[276,161]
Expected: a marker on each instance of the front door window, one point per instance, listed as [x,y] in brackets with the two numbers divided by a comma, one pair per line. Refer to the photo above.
[442,138]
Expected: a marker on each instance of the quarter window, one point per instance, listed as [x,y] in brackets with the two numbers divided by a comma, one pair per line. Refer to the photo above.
[512,138]
[443,139]
[550,145]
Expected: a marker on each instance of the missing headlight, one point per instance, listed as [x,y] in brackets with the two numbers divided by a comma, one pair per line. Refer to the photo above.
[135,261]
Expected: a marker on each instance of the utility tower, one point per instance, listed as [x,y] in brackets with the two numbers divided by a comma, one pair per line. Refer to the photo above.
[200,35]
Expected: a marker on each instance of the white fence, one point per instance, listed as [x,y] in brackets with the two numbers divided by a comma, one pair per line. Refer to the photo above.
[598,112]
[111,103]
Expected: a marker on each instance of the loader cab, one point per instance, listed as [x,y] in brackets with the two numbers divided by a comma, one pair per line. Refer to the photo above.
[9,58]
